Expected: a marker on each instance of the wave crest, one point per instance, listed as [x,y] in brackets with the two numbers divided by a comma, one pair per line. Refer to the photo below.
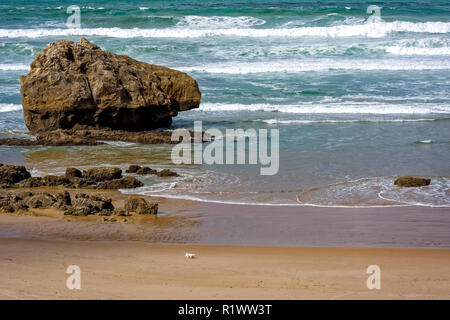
[373,30]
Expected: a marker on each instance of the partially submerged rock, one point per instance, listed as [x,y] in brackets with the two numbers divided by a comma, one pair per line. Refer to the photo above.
[409,181]
[167,173]
[146,170]
[133,169]
[78,84]
[92,137]
[141,206]
[73,173]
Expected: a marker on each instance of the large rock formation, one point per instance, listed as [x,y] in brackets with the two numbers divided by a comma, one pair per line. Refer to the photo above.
[76,85]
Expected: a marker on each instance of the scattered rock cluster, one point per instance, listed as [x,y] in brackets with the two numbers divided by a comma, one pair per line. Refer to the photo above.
[408,181]
[13,201]
[104,178]
[96,178]
[81,205]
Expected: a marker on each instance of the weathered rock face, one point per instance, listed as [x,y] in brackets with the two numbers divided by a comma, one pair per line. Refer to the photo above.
[101,174]
[80,85]
[85,204]
[141,206]
[10,174]
[408,181]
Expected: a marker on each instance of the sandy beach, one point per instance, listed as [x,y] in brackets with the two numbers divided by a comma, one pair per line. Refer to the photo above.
[35,269]
[142,257]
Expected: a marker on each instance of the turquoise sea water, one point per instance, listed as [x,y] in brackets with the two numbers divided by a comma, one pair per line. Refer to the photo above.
[356,102]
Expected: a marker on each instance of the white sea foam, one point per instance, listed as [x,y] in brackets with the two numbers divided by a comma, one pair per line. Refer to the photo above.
[219,22]
[365,193]
[14,67]
[302,65]
[426,141]
[329,108]
[331,121]
[378,192]
[8,107]
[409,51]
[379,29]
[118,143]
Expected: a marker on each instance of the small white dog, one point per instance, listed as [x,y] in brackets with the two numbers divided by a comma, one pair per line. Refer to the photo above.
[189,255]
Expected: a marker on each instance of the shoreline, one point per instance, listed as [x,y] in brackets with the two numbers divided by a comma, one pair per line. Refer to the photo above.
[35,269]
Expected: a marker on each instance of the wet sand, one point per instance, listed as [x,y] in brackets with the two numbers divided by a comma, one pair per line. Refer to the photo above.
[35,269]
[182,221]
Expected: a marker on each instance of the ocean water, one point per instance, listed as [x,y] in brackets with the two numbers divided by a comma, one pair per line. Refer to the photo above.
[357,101]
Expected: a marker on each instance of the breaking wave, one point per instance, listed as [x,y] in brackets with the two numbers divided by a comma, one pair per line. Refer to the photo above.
[373,30]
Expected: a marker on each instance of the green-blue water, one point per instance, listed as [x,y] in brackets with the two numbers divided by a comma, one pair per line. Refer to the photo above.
[357,102]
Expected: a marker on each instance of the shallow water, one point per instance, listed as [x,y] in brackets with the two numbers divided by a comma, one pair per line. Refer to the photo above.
[356,103]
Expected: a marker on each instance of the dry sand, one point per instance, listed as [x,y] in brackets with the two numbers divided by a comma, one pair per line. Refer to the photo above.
[35,269]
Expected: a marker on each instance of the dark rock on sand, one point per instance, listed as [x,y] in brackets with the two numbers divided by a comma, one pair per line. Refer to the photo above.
[14,201]
[11,202]
[101,174]
[84,205]
[121,213]
[40,200]
[74,84]
[81,205]
[63,199]
[167,173]
[141,206]
[123,183]
[408,181]
[10,174]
